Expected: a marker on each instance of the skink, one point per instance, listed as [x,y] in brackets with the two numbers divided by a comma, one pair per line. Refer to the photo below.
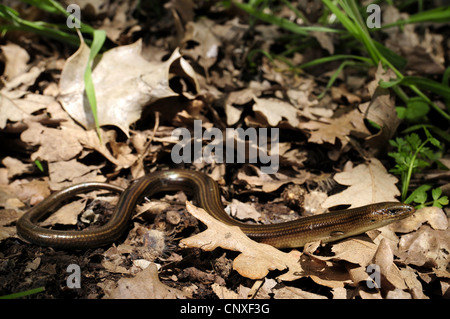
[325,227]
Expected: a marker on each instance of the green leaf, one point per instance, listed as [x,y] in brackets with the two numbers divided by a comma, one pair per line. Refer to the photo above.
[397,60]
[413,140]
[23,293]
[441,14]
[419,195]
[436,193]
[282,22]
[443,200]
[97,43]
[416,109]
[39,165]
[423,83]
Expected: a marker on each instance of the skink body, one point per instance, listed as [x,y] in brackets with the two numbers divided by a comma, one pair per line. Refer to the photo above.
[325,227]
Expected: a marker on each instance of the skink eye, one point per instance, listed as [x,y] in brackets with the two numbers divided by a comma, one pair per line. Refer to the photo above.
[394,212]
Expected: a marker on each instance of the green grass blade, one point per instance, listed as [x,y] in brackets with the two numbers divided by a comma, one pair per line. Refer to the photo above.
[423,83]
[397,60]
[56,8]
[437,15]
[97,43]
[334,58]
[37,27]
[281,22]
[23,293]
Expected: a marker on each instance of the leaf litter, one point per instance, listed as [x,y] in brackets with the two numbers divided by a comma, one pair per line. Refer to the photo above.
[45,117]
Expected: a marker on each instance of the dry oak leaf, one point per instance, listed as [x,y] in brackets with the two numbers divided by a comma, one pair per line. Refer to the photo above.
[381,110]
[271,182]
[369,183]
[207,50]
[124,83]
[242,210]
[326,130]
[16,167]
[274,111]
[55,144]
[67,142]
[323,272]
[355,250]
[70,170]
[295,293]
[255,260]
[223,292]
[434,216]
[384,258]
[145,285]
[15,59]
[426,247]
[9,111]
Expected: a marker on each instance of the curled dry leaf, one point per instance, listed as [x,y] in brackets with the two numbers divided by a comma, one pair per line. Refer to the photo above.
[381,110]
[369,183]
[34,192]
[255,260]
[384,258]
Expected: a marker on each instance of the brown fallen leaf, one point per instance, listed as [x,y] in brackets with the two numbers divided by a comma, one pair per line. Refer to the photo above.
[33,192]
[381,110]
[145,285]
[327,130]
[243,211]
[16,59]
[9,111]
[276,111]
[255,260]
[325,273]
[369,183]
[295,293]
[390,274]
[207,50]
[66,215]
[355,250]
[124,83]
[338,93]
[223,292]
[434,216]
[426,247]
[67,142]
[55,144]
[272,182]
[414,285]
[16,167]
[73,172]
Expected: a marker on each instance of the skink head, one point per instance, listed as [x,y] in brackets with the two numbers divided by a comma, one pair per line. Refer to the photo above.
[392,211]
